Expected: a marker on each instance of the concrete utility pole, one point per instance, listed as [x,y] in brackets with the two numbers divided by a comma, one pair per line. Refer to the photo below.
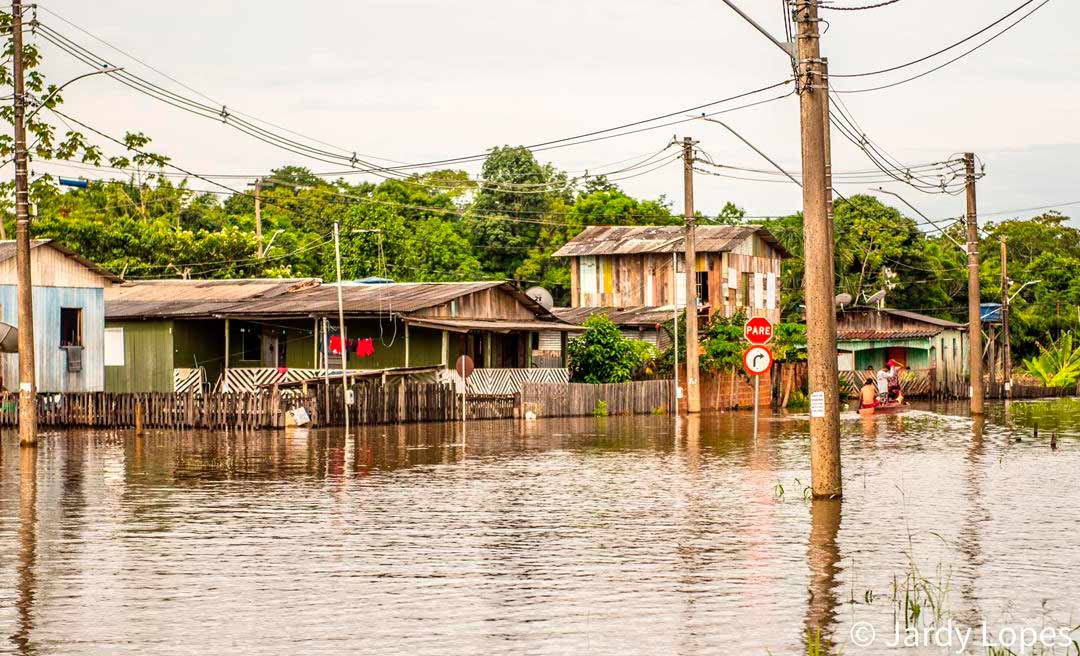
[975,353]
[693,391]
[818,282]
[1006,354]
[27,382]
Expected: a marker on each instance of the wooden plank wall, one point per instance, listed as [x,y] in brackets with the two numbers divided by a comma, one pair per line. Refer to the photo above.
[582,399]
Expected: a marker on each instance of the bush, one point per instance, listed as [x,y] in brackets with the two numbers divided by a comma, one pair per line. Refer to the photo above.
[603,355]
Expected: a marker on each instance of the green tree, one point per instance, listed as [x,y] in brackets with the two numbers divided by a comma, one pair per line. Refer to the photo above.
[602,355]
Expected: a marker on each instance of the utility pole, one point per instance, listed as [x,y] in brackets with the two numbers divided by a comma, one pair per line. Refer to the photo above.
[1006,354]
[258,217]
[675,331]
[818,284]
[975,353]
[693,391]
[341,329]
[27,382]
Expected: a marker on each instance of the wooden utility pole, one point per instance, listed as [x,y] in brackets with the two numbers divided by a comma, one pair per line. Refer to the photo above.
[975,353]
[27,382]
[258,217]
[1006,348]
[693,391]
[341,329]
[818,282]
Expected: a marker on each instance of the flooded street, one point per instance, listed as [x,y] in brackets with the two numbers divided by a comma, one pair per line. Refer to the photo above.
[595,535]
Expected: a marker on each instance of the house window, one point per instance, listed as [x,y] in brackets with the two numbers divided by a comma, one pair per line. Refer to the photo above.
[703,286]
[251,345]
[745,287]
[71,327]
[114,347]
[587,274]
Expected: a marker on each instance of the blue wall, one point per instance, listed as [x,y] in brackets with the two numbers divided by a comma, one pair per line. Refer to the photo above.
[52,374]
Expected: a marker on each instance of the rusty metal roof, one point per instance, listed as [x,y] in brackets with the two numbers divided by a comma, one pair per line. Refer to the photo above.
[7,251]
[628,240]
[194,298]
[496,326]
[384,298]
[620,316]
[288,298]
[883,335]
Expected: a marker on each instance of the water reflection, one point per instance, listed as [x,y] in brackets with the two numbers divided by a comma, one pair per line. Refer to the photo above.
[823,557]
[972,522]
[26,584]
[605,535]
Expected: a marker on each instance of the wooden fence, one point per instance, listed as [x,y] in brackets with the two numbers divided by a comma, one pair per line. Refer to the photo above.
[373,403]
[579,399]
[915,384]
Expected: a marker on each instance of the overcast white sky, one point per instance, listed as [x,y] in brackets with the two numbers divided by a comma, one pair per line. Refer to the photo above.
[417,80]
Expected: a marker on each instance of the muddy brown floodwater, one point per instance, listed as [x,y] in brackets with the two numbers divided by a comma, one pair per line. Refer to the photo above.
[609,535]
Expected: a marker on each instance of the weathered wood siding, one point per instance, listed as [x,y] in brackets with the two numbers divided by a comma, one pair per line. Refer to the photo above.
[51,268]
[50,359]
[493,303]
[647,280]
[148,357]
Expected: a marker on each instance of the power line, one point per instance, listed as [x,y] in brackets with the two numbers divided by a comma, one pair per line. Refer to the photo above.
[222,113]
[953,60]
[933,54]
[884,3]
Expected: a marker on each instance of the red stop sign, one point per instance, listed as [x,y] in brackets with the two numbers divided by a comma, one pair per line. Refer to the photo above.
[758,330]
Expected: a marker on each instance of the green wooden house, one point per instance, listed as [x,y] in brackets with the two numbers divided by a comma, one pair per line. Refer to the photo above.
[226,334]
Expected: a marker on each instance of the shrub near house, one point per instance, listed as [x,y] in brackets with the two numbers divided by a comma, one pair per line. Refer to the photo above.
[603,355]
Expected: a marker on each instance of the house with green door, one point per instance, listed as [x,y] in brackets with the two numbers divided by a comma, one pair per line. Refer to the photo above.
[927,346]
[235,335]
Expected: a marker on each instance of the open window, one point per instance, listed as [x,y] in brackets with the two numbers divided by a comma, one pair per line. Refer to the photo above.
[71,333]
[250,344]
[703,287]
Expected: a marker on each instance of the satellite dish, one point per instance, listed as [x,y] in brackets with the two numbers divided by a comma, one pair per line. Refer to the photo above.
[541,296]
[843,299]
[876,298]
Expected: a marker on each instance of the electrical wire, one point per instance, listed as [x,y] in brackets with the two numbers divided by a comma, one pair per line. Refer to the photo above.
[947,63]
[883,3]
[933,54]
[221,113]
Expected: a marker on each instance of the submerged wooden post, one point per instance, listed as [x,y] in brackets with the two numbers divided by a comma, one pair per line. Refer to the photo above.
[138,417]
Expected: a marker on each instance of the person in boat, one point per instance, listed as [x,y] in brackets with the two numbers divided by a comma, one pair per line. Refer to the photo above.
[894,393]
[868,395]
[882,378]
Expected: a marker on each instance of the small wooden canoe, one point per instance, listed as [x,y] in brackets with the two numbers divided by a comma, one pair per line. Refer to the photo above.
[885,409]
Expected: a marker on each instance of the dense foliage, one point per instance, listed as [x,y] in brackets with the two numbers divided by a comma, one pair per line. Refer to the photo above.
[602,355]
[1056,365]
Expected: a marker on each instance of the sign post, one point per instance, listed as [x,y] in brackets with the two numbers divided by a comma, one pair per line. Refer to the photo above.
[464,367]
[758,359]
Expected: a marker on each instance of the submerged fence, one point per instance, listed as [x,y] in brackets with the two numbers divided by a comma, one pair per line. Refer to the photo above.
[579,399]
[373,403]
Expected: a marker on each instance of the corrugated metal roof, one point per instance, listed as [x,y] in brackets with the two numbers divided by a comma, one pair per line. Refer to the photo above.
[883,335]
[287,297]
[915,316]
[193,298]
[465,325]
[628,240]
[621,316]
[381,298]
[7,251]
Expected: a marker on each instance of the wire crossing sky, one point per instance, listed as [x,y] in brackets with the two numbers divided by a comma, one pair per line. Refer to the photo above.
[424,81]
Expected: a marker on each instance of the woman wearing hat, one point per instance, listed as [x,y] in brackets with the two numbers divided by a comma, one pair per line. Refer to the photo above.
[894,381]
